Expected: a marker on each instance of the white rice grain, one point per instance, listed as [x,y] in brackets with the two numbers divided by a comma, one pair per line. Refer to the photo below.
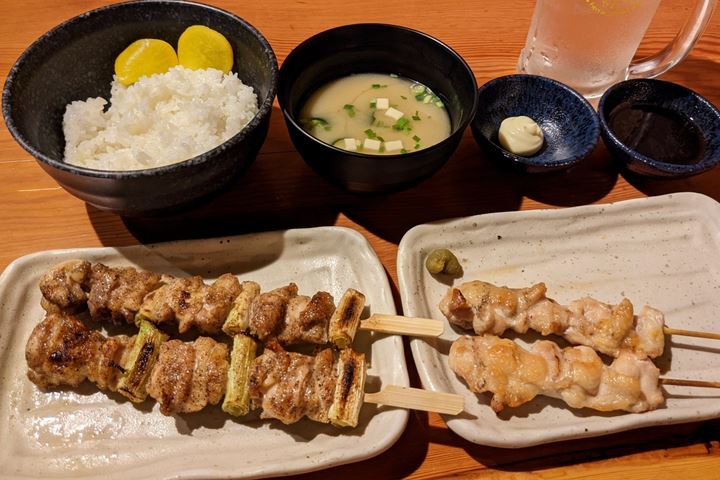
[159,120]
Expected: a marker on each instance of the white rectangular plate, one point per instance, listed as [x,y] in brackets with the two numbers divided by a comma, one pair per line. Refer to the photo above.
[661,251]
[83,433]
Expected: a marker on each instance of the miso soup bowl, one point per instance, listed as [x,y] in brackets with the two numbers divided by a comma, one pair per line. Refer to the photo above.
[75,60]
[375,48]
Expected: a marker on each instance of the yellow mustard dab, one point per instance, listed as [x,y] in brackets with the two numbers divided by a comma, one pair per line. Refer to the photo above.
[144,57]
[201,47]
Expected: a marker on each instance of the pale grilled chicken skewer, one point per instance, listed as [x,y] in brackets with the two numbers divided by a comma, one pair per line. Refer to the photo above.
[122,294]
[609,329]
[576,375]
[186,377]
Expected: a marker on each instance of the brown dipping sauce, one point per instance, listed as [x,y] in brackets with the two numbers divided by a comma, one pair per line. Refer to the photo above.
[658,133]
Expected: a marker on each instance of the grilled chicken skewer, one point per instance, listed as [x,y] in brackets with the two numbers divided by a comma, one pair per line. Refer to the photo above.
[186,377]
[124,295]
[576,375]
[609,329]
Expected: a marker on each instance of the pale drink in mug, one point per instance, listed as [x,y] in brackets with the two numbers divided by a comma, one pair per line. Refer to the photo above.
[590,44]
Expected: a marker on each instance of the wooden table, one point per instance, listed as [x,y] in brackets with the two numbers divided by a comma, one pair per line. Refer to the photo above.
[280,191]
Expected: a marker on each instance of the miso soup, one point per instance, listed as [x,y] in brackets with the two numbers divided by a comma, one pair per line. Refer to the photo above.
[377,114]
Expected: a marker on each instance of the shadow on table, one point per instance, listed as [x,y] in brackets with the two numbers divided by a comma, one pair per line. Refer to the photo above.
[261,200]
[470,184]
[586,450]
[705,183]
[586,183]
[279,191]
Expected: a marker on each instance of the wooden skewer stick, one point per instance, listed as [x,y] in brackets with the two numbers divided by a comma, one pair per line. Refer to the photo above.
[395,324]
[689,383]
[418,399]
[690,333]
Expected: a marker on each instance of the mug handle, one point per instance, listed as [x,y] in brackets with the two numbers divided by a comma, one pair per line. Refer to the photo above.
[679,47]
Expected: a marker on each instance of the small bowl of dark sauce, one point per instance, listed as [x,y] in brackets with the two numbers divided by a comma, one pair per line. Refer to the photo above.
[660,129]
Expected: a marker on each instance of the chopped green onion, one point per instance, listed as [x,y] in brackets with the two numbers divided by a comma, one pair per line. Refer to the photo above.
[377,85]
[373,104]
[380,138]
[403,97]
[382,148]
[402,124]
[416,116]
[370,133]
[402,150]
[350,109]
[417,145]
[425,95]
[436,100]
[316,122]
[416,138]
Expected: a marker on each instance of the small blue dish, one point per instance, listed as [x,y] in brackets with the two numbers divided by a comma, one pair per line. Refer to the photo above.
[569,123]
[660,129]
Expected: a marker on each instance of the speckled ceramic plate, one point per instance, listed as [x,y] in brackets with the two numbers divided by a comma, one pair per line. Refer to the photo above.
[663,251]
[82,433]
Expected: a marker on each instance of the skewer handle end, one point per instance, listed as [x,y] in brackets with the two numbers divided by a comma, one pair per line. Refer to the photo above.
[418,399]
[399,325]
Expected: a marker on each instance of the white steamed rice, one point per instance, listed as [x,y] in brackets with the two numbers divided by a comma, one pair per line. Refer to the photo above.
[158,120]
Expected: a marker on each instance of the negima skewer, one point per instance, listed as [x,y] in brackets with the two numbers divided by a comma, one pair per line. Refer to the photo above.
[187,376]
[125,295]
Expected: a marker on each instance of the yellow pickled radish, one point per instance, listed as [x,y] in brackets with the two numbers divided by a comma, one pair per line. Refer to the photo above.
[144,57]
[202,47]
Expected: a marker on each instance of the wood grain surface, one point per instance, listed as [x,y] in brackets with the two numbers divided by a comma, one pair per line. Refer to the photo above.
[280,191]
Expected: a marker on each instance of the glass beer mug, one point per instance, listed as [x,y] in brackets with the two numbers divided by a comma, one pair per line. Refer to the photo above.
[589,44]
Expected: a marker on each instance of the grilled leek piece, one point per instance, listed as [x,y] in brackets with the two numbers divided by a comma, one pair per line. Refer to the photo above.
[143,356]
[346,318]
[349,389]
[238,319]
[237,396]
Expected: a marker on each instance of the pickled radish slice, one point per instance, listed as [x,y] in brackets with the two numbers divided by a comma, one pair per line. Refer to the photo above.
[144,57]
[202,47]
